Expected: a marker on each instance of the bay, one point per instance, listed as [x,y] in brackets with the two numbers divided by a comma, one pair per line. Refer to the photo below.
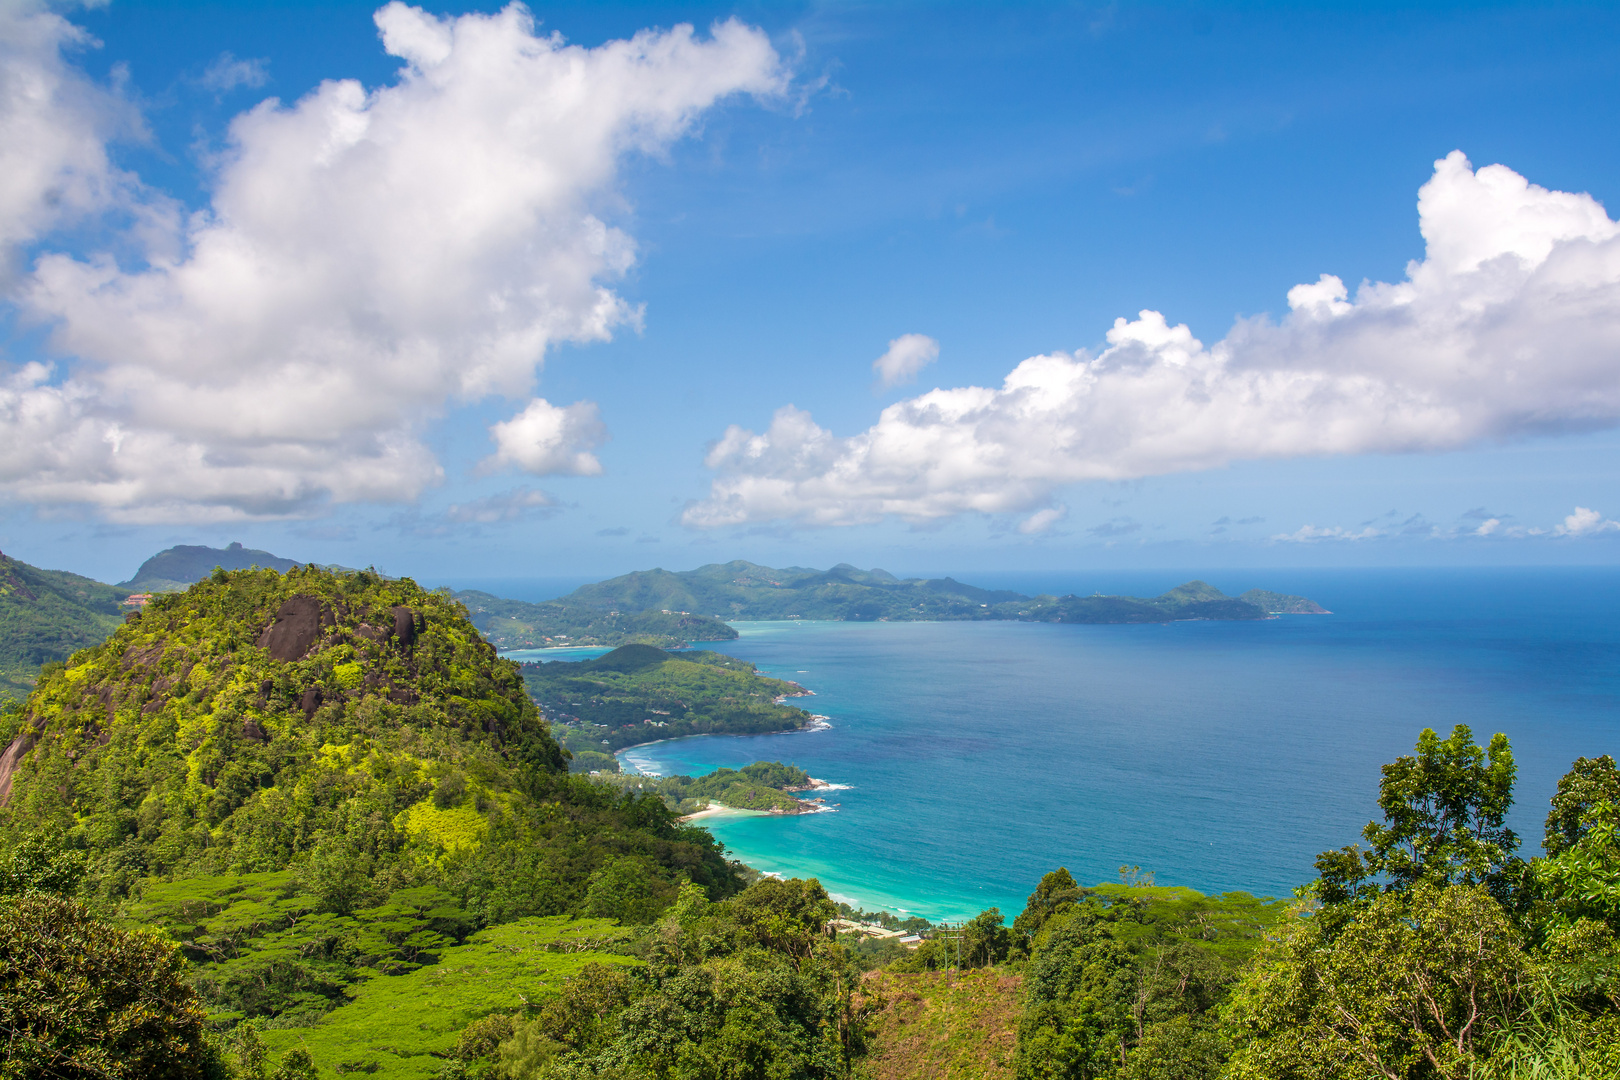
[1218,755]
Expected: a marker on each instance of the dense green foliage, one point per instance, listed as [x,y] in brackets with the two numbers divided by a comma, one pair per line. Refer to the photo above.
[742,590]
[81,1000]
[638,694]
[1444,809]
[749,988]
[764,785]
[1124,980]
[306,824]
[47,616]
[174,569]
[514,624]
[1437,952]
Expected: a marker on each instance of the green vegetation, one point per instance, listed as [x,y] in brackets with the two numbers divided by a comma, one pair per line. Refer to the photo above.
[637,694]
[1437,951]
[175,569]
[406,1026]
[514,624]
[316,781]
[79,998]
[1125,980]
[45,617]
[750,987]
[742,590]
[764,785]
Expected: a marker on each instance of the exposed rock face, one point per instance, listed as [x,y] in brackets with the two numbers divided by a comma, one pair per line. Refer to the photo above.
[310,702]
[298,623]
[405,625]
[12,758]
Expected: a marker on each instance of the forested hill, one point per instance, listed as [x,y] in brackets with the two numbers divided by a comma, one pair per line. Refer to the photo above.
[47,615]
[743,590]
[172,569]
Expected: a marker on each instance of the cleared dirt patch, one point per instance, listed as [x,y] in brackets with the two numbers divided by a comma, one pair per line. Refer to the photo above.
[931,1028]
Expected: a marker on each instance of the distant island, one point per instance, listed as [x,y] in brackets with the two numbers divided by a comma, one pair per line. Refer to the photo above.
[742,591]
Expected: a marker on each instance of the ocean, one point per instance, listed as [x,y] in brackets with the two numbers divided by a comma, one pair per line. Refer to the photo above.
[1222,756]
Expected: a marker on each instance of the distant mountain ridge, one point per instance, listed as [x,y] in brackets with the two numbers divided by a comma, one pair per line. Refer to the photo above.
[742,590]
[177,568]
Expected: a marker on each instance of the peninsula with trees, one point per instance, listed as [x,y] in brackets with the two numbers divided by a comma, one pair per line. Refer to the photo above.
[639,694]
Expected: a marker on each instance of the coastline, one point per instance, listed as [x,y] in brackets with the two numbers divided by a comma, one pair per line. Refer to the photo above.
[817,722]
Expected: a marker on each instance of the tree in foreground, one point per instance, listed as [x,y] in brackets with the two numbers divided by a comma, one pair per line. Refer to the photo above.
[1410,987]
[1437,953]
[81,1000]
[1445,810]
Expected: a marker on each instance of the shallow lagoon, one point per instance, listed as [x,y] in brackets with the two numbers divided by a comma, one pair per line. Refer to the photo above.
[1217,755]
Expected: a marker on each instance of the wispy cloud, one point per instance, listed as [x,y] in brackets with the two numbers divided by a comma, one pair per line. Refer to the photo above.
[1478,524]
[1112,530]
[227,73]
[515,505]
[908,354]
[1586,522]
[1042,520]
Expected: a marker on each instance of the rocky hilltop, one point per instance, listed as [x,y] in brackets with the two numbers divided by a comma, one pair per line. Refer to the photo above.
[259,718]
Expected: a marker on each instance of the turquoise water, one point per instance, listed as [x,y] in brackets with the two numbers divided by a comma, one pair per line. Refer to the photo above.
[1217,755]
[570,653]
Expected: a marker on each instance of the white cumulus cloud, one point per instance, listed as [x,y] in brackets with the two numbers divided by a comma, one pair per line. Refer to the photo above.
[1509,326]
[1585,522]
[368,257]
[908,354]
[547,439]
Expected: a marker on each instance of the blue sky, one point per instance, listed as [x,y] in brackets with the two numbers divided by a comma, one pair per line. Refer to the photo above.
[765,211]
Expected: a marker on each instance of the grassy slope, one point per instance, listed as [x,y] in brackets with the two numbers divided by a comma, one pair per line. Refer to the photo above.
[931,1027]
[514,624]
[400,1027]
[48,615]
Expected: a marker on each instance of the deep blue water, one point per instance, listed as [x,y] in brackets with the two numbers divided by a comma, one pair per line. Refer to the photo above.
[1217,755]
